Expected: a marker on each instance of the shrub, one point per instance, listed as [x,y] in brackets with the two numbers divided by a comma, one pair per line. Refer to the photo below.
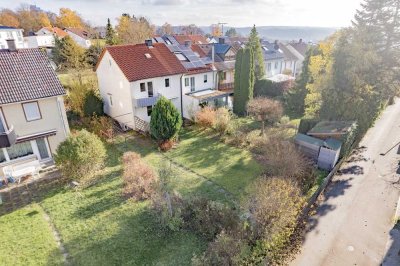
[93,104]
[275,208]
[222,120]
[226,249]
[206,117]
[139,178]
[102,126]
[265,87]
[281,158]
[265,110]
[208,218]
[165,120]
[80,155]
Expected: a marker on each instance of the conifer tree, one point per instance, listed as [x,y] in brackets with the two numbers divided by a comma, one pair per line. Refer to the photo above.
[244,81]
[255,45]
[110,34]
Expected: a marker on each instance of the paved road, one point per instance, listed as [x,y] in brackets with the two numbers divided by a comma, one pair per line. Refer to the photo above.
[353,225]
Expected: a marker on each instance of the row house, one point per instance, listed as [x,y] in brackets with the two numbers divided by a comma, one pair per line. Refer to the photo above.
[33,121]
[133,77]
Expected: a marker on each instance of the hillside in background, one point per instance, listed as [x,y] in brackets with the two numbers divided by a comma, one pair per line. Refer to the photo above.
[286,33]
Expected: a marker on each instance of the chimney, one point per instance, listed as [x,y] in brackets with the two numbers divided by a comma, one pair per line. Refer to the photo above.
[188,43]
[221,40]
[276,45]
[12,47]
[213,53]
[149,43]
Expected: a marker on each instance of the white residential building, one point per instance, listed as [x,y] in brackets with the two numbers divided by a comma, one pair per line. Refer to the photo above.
[10,33]
[40,41]
[80,36]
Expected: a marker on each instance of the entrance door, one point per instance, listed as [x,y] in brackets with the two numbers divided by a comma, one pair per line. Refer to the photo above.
[43,149]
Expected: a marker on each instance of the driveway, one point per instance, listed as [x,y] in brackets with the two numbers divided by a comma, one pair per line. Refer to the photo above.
[353,225]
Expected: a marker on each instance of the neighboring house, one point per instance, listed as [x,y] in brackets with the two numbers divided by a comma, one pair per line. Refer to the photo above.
[290,60]
[80,36]
[132,78]
[33,121]
[51,31]
[274,59]
[41,41]
[224,55]
[299,49]
[10,33]
[100,32]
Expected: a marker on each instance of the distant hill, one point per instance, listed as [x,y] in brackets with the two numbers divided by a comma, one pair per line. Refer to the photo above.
[286,33]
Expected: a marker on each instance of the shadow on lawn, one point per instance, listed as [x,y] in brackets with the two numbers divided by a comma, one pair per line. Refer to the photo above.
[131,236]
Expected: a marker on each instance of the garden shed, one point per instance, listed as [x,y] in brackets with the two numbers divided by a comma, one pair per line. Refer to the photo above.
[331,129]
[324,152]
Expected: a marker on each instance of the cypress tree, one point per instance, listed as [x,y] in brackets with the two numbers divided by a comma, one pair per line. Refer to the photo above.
[237,90]
[247,79]
[255,45]
[165,121]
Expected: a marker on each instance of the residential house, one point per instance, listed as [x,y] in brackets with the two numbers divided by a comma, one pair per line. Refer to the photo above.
[41,41]
[224,57]
[52,31]
[11,33]
[274,59]
[299,49]
[290,60]
[33,121]
[80,36]
[195,39]
[132,78]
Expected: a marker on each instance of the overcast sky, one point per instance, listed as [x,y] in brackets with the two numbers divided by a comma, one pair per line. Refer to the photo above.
[322,13]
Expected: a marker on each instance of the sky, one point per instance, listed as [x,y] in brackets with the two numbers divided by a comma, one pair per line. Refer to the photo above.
[236,13]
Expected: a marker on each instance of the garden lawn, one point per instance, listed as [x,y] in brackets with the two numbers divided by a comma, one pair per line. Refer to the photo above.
[232,168]
[26,238]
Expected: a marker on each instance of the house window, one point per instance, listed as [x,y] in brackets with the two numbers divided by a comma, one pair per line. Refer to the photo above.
[110,100]
[223,75]
[269,66]
[167,83]
[276,65]
[20,150]
[142,87]
[42,147]
[205,78]
[150,89]
[186,82]
[149,110]
[192,84]
[31,111]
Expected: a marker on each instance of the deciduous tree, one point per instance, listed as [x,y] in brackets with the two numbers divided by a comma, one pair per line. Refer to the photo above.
[69,18]
[265,110]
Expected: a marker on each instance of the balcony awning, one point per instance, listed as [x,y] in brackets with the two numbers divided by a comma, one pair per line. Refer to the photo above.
[36,135]
[144,102]
[209,95]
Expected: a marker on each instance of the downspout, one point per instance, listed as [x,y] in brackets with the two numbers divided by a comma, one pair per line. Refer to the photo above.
[182,96]
[60,110]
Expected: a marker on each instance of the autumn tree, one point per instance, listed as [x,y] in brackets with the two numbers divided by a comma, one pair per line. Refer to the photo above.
[165,29]
[255,44]
[68,54]
[265,110]
[9,18]
[68,18]
[133,30]
[216,30]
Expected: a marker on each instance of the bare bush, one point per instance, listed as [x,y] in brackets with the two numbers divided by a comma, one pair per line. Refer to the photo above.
[139,179]
[265,110]
[275,208]
[222,120]
[281,158]
[206,117]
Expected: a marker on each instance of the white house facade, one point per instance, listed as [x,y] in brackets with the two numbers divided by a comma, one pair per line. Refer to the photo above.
[10,33]
[81,37]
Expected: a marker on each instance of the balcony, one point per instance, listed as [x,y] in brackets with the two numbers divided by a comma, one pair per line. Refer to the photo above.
[8,138]
[144,102]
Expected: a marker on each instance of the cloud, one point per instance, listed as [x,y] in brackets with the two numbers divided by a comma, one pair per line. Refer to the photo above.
[163,2]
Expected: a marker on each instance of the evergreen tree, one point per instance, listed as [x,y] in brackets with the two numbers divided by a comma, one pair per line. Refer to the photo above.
[231,33]
[255,44]
[165,121]
[110,34]
[246,79]
[237,90]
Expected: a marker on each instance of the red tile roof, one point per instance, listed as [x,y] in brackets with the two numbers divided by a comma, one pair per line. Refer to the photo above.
[196,39]
[133,62]
[80,32]
[197,49]
[57,31]
[27,75]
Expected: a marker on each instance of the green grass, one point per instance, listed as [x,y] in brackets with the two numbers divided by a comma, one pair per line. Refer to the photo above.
[232,168]
[26,238]
[68,77]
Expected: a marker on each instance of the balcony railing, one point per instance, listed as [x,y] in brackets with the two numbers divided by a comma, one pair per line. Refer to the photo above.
[8,138]
[144,102]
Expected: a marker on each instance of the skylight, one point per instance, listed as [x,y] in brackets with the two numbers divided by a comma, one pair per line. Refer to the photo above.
[181,57]
[148,56]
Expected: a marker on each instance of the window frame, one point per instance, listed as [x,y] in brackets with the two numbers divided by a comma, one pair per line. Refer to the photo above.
[205,78]
[142,86]
[110,100]
[167,83]
[187,83]
[38,108]
[149,110]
